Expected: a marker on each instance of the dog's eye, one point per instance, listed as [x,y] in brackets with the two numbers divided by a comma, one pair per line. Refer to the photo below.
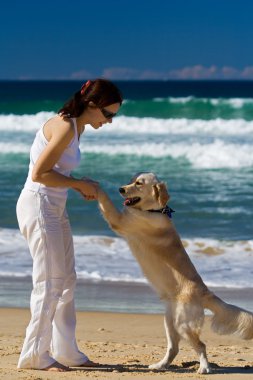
[138,183]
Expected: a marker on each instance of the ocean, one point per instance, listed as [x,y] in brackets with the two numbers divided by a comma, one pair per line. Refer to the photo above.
[197,136]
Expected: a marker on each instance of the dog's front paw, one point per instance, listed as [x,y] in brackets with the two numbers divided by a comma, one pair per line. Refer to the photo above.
[204,370]
[159,365]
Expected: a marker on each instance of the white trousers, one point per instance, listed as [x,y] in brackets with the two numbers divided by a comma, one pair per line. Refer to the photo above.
[50,335]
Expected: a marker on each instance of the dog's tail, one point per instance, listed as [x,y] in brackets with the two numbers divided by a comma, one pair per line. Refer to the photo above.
[229,319]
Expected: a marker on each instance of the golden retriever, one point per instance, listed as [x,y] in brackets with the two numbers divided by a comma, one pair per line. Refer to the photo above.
[146,225]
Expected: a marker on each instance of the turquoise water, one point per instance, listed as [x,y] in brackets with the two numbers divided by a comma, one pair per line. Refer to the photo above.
[196,136]
[201,146]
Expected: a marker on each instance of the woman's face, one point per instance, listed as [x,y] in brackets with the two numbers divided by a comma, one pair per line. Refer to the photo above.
[97,117]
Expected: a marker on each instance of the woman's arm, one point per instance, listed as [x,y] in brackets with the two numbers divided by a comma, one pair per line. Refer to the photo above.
[61,135]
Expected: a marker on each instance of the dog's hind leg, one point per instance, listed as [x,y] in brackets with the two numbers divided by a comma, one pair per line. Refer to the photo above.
[200,348]
[172,342]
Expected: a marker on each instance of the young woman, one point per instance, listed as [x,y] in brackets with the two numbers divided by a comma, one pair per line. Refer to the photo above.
[50,342]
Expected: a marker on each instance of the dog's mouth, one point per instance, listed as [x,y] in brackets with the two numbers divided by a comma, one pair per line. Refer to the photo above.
[131,201]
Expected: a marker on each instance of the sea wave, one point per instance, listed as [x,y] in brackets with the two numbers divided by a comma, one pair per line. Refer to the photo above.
[24,123]
[191,107]
[232,102]
[183,126]
[213,155]
[209,144]
[135,125]
[104,258]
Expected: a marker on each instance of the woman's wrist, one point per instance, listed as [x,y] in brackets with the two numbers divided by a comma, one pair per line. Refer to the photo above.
[74,182]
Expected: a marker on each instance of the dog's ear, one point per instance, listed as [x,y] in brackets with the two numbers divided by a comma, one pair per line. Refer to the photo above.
[160,193]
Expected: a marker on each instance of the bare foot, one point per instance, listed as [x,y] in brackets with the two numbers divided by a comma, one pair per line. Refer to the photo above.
[57,367]
[89,363]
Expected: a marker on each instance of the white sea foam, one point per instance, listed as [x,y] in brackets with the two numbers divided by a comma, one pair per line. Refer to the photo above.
[232,102]
[9,147]
[216,154]
[24,123]
[203,143]
[146,125]
[239,102]
[180,100]
[221,263]
[213,155]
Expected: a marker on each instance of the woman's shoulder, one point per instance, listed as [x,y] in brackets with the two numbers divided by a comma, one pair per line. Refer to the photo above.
[57,126]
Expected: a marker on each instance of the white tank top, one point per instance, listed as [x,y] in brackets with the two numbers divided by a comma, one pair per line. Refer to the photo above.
[68,161]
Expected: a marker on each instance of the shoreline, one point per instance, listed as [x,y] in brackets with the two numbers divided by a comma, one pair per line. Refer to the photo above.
[119,297]
[125,344]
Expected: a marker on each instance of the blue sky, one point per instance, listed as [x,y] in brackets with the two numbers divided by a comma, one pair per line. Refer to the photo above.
[126,39]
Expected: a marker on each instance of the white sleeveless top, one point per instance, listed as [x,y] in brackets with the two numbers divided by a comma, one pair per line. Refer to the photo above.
[68,161]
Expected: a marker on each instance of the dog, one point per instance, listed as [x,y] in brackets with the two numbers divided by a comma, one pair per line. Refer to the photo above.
[146,225]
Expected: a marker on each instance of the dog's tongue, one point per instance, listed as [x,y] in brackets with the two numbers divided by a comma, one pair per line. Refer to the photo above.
[131,201]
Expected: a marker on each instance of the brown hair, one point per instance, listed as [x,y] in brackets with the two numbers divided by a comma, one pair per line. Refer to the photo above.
[101,92]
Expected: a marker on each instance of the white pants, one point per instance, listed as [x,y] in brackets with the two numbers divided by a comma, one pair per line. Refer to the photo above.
[50,335]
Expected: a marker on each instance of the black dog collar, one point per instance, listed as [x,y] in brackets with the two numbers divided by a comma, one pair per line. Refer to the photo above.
[165,210]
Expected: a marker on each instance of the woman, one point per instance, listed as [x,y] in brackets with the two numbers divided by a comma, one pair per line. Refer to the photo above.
[50,342]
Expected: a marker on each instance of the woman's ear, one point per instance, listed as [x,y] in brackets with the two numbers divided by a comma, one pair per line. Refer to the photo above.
[160,193]
[91,104]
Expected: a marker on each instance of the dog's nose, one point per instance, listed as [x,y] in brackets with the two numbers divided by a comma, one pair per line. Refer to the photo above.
[122,190]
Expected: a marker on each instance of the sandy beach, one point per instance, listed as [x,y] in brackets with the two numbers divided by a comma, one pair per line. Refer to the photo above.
[124,344]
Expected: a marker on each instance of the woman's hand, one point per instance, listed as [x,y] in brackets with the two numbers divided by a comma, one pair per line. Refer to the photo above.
[87,187]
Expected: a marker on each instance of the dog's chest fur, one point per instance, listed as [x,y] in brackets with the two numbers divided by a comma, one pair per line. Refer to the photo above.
[144,240]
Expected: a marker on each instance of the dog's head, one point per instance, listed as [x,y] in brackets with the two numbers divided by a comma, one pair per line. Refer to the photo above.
[145,192]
